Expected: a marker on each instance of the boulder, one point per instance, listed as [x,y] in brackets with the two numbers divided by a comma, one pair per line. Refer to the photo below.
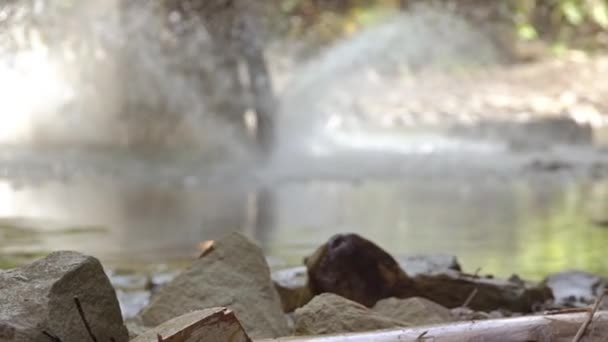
[233,274]
[37,301]
[415,310]
[331,314]
[216,324]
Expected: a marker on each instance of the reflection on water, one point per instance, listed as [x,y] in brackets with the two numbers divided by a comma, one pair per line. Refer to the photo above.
[528,226]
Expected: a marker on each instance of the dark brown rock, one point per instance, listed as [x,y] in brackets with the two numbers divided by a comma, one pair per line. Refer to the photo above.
[452,290]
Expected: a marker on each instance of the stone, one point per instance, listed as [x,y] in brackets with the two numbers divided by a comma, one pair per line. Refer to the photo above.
[466,314]
[234,274]
[452,290]
[535,134]
[37,301]
[414,310]
[331,314]
[414,265]
[576,288]
[216,324]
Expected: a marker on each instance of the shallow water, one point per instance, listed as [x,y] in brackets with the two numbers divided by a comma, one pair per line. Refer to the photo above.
[489,209]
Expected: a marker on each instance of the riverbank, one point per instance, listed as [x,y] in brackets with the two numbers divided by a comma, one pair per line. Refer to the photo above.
[348,285]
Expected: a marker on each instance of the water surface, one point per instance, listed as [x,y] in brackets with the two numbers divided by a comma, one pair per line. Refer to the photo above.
[500,217]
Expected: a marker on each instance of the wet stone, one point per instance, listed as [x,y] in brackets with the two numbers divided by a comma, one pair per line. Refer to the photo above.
[37,300]
[331,314]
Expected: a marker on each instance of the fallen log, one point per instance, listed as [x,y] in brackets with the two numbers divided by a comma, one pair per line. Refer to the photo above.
[542,328]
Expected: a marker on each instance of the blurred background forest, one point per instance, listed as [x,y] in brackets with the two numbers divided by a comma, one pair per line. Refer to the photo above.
[560,23]
[132,129]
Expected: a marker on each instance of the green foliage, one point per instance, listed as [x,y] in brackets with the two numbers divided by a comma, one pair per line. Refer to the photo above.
[562,21]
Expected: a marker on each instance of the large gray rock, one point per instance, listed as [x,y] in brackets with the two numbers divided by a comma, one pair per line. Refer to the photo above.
[233,274]
[331,314]
[415,310]
[39,298]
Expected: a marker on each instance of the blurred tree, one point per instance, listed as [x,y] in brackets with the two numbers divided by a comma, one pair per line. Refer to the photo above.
[578,23]
[235,31]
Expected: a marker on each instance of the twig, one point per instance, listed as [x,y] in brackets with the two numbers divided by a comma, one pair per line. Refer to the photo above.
[470,298]
[84,319]
[421,336]
[587,322]
[51,336]
[565,311]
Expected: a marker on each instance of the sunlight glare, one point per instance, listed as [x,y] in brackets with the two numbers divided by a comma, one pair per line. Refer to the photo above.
[33,88]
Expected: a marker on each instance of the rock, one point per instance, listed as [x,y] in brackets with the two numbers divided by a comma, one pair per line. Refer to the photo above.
[234,274]
[291,284]
[39,298]
[548,165]
[357,269]
[331,314]
[217,324]
[429,264]
[576,288]
[466,314]
[539,133]
[415,310]
[452,289]
[135,328]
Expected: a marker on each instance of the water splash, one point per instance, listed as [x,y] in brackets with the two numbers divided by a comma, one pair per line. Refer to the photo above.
[106,75]
[109,75]
[335,101]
